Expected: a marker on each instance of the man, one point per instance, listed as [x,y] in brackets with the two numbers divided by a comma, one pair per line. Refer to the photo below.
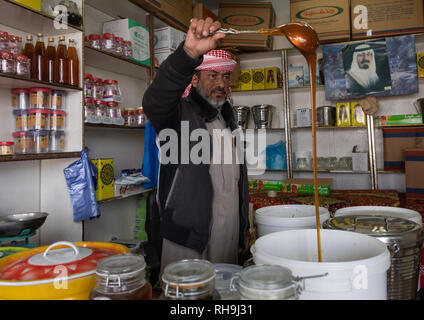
[203,207]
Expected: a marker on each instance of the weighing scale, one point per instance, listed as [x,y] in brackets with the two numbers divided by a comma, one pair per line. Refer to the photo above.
[18,241]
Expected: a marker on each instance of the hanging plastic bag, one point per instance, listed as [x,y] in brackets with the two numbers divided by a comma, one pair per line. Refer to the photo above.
[150,167]
[82,184]
[276,156]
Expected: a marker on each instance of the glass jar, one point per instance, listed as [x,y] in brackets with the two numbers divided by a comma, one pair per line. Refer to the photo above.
[57,141]
[39,119]
[121,277]
[95,41]
[90,111]
[191,279]
[40,140]
[6,148]
[13,45]
[57,100]
[57,120]
[128,52]
[97,88]
[119,120]
[108,43]
[88,85]
[140,117]
[40,98]
[112,109]
[22,121]
[20,99]
[4,41]
[23,143]
[7,63]
[111,91]
[22,66]
[100,109]
[129,117]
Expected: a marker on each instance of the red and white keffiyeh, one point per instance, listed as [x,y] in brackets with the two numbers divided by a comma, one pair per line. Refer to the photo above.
[215,60]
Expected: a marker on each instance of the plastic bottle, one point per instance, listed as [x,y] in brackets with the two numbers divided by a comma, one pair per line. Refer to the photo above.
[51,55]
[40,65]
[61,62]
[29,51]
[73,66]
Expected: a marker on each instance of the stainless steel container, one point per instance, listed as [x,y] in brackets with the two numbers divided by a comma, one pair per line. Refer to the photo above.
[404,240]
[241,115]
[326,116]
[262,115]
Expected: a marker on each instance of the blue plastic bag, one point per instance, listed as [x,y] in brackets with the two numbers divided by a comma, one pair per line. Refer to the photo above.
[82,184]
[276,156]
[150,167]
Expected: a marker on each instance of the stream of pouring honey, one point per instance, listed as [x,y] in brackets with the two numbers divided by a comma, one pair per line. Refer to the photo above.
[305,39]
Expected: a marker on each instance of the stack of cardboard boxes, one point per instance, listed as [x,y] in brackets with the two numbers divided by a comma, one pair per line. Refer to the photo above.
[166,41]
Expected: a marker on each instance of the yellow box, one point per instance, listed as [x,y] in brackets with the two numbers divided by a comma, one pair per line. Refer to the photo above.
[272,78]
[258,76]
[359,118]
[420,64]
[33,4]
[246,81]
[105,178]
[343,114]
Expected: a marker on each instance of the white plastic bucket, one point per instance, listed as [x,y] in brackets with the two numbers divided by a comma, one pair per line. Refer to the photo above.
[288,217]
[357,264]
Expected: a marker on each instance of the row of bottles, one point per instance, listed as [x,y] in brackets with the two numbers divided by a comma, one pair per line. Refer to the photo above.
[51,64]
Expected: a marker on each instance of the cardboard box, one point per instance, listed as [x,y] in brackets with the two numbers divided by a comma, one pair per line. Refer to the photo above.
[306,186]
[33,4]
[396,141]
[387,18]
[359,118]
[329,18]
[303,117]
[134,32]
[162,55]
[167,38]
[414,173]
[420,64]
[105,178]
[247,16]
[258,77]
[398,119]
[272,78]
[296,76]
[343,116]
[246,81]
[266,185]
[200,11]
[360,162]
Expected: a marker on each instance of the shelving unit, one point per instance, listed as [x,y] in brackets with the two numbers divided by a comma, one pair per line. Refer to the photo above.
[111,126]
[39,156]
[100,202]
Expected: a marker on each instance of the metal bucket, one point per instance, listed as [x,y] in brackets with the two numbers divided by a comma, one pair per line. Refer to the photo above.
[262,114]
[326,116]
[403,239]
[241,115]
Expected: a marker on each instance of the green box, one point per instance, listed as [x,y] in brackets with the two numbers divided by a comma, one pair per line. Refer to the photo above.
[266,185]
[306,186]
[399,119]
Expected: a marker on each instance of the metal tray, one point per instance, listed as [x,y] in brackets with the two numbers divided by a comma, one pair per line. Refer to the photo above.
[20,224]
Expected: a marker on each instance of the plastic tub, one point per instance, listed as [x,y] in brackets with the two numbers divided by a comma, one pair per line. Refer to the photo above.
[23,142]
[40,140]
[6,148]
[57,141]
[39,119]
[57,119]
[22,120]
[57,100]
[356,264]
[40,98]
[288,217]
[20,99]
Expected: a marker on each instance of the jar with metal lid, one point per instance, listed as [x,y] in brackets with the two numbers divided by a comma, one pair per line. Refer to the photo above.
[111,91]
[22,66]
[112,109]
[108,43]
[129,117]
[95,41]
[40,98]
[40,140]
[140,117]
[23,143]
[121,277]
[97,88]
[88,85]
[20,99]
[404,240]
[6,148]
[119,46]
[100,109]
[57,141]
[128,51]
[4,41]
[58,100]
[191,279]
[13,45]
[57,119]
[39,119]
[90,111]
[22,120]
[7,63]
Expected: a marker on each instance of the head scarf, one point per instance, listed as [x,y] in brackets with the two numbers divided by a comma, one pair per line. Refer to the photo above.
[214,60]
[365,77]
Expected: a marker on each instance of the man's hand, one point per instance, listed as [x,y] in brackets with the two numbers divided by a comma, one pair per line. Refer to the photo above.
[199,40]
[369,105]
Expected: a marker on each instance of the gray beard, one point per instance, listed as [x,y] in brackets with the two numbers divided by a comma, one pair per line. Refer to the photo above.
[214,103]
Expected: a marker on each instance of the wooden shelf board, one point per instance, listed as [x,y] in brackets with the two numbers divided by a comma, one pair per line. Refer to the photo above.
[11,81]
[40,156]
[123,197]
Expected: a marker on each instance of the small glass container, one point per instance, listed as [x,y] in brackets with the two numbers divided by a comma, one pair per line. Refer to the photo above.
[119,120]
[6,148]
[20,99]
[140,117]
[7,63]
[322,163]
[58,100]
[97,88]
[89,111]
[22,120]
[129,117]
[57,141]
[112,109]
[88,85]
[121,277]
[111,91]
[39,119]
[40,98]
[332,163]
[109,43]
[4,41]
[22,66]
[128,52]
[57,120]
[100,109]
[40,140]
[95,41]
[191,279]
[119,46]
[23,142]
[14,45]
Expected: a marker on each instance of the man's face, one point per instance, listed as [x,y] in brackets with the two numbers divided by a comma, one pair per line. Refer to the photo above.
[364,59]
[214,85]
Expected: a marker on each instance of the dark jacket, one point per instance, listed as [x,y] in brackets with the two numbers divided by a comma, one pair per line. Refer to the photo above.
[185,191]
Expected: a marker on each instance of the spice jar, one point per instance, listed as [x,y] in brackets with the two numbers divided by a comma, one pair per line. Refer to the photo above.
[40,98]
[129,117]
[40,140]
[22,66]
[57,141]
[90,111]
[108,43]
[140,117]
[7,62]
[95,41]
[191,279]
[22,121]
[57,100]
[57,119]
[119,46]
[39,119]
[111,91]
[128,52]
[100,109]
[97,88]
[4,41]
[112,109]
[88,85]
[20,99]
[23,143]
[121,277]
[6,148]
[14,45]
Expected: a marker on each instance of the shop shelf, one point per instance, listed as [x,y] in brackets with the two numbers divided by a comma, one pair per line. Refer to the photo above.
[328,128]
[262,91]
[111,126]
[11,81]
[20,17]
[123,197]
[319,86]
[331,171]
[40,156]
[401,125]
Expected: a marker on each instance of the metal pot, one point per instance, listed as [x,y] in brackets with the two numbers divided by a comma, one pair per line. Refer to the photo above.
[326,116]
[262,114]
[241,115]
[20,224]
